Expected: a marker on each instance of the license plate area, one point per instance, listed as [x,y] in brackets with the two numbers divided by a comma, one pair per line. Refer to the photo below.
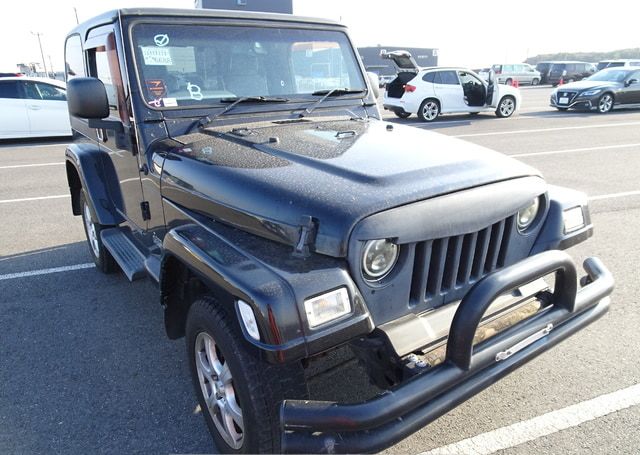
[563,100]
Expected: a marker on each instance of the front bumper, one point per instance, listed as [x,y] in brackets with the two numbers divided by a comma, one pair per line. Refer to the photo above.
[329,427]
[585,104]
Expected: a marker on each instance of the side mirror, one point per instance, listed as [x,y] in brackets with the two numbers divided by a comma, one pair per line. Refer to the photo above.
[631,81]
[374,81]
[87,98]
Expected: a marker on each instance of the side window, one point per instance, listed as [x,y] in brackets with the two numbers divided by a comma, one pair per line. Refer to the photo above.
[104,65]
[9,89]
[73,57]
[429,77]
[51,92]
[507,68]
[468,80]
[31,91]
[449,78]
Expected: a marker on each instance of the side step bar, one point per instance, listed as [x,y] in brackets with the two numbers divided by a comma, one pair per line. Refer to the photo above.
[125,252]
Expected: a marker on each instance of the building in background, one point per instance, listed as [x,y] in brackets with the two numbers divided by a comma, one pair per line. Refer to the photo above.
[385,69]
[270,6]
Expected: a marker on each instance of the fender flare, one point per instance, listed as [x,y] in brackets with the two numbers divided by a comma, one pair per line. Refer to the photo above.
[90,168]
[275,295]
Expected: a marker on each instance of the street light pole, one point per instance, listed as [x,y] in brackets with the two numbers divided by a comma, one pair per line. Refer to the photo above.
[44,64]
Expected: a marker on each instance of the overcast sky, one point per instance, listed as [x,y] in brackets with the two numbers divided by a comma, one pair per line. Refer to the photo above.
[467,33]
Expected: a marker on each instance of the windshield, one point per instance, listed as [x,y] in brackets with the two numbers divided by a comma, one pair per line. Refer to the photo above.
[198,65]
[608,75]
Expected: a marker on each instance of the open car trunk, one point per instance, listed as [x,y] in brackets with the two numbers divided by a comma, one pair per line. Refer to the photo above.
[395,88]
[407,70]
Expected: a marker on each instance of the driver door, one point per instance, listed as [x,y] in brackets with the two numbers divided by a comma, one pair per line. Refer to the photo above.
[630,94]
[493,92]
[127,192]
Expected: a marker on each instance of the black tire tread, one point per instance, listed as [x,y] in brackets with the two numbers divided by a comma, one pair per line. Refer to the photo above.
[267,384]
[105,263]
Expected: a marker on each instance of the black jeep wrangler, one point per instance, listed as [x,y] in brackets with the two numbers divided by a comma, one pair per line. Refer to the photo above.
[239,161]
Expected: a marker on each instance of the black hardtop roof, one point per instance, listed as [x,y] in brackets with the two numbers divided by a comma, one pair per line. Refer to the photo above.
[111,16]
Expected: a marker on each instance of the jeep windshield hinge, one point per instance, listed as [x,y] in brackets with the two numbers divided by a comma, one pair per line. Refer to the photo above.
[307,237]
[146,212]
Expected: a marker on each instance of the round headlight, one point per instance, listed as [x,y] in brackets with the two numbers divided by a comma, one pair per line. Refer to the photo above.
[527,215]
[378,258]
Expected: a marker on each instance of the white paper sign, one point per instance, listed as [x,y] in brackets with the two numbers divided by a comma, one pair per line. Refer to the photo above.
[157,56]
[170,102]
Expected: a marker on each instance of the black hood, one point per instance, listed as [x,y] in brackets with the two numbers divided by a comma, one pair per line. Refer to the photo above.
[588,84]
[267,178]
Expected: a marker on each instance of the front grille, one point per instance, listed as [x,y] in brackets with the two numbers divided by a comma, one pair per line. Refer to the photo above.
[570,95]
[445,268]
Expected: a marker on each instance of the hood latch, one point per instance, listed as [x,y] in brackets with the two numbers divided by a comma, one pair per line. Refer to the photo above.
[308,229]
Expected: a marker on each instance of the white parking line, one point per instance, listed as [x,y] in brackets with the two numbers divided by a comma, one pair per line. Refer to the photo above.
[544,425]
[17,166]
[546,130]
[8,201]
[614,195]
[35,146]
[586,149]
[66,268]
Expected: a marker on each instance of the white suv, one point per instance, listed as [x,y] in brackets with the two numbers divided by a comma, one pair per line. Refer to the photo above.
[429,92]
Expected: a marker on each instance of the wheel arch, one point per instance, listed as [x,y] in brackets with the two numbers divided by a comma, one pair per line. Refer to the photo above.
[88,168]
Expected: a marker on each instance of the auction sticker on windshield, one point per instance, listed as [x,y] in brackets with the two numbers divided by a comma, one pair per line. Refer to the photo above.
[157,56]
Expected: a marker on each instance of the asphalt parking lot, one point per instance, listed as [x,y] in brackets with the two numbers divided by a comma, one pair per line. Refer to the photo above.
[85,366]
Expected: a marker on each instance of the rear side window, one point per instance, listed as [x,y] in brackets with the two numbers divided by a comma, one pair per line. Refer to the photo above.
[429,77]
[615,64]
[74,59]
[448,78]
[9,89]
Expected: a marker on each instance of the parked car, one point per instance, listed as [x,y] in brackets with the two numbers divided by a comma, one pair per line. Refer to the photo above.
[483,73]
[429,92]
[11,74]
[601,92]
[522,73]
[33,107]
[283,220]
[569,72]
[622,62]
[543,68]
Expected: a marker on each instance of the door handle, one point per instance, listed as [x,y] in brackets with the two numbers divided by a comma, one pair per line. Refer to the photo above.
[34,108]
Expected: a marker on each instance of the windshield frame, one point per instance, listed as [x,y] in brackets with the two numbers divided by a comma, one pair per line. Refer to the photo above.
[237,22]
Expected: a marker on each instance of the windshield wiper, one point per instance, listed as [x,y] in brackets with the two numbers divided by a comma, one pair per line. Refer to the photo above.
[326,94]
[207,120]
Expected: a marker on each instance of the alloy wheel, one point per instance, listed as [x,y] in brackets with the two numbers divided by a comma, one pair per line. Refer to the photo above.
[216,383]
[605,104]
[430,110]
[92,234]
[507,106]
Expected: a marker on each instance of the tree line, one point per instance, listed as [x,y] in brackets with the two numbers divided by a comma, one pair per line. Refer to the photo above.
[586,56]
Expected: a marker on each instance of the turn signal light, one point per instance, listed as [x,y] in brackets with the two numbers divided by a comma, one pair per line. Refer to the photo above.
[410,88]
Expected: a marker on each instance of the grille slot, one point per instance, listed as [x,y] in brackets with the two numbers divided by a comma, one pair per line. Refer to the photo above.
[446,265]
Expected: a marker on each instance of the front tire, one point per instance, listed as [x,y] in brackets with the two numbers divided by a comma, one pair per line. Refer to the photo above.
[605,103]
[508,82]
[535,82]
[429,110]
[506,107]
[100,255]
[239,393]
